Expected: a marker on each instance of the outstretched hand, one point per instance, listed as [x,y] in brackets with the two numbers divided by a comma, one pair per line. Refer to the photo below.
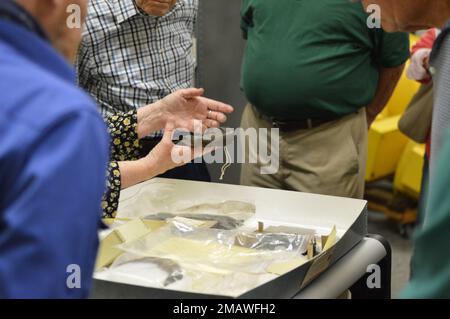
[186,106]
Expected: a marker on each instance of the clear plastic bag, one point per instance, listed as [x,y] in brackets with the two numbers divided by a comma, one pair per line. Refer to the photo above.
[228,215]
[217,251]
[165,200]
[147,271]
[164,273]
[231,284]
[296,243]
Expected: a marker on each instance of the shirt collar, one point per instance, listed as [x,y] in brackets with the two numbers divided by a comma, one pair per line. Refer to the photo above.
[124,10]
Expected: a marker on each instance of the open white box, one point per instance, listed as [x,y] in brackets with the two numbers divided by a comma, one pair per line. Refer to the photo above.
[273,207]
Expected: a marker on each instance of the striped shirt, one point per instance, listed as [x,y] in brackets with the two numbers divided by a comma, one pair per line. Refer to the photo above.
[129,59]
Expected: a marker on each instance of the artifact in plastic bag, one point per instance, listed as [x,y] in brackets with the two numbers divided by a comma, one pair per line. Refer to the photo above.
[221,222]
[148,268]
[228,215]
[190,278]
[159,197]
[274,241]
[169,197]
[212,249]
[235,209]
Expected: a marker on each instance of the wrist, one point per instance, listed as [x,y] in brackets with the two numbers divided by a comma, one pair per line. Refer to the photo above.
[162,116]
[135,172]
[150,118]
[150,166]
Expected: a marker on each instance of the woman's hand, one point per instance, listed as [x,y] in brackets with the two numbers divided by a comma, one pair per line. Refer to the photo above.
[186,106]
[164,157]
[182,108]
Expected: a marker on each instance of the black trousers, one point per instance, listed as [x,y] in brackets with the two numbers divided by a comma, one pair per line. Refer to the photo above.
[191,171]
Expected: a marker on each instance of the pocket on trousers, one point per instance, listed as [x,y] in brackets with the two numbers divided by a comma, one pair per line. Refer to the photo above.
[353,156]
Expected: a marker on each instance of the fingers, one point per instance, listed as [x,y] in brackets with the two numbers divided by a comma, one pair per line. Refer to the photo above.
[211,123]
[192,93]
[217,116]
[217,106]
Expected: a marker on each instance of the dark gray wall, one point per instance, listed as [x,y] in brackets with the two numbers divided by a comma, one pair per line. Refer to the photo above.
[220,49]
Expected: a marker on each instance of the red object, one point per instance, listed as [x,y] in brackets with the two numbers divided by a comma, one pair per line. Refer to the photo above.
[426,41]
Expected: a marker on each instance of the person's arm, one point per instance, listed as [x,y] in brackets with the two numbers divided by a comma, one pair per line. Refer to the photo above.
[123,129]
[52,211]
[110,200]
[390,53]
[123,174]
[157,162]
[182,108]
[387,83]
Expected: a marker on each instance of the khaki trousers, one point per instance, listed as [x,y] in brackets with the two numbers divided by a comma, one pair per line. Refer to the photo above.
[329,159]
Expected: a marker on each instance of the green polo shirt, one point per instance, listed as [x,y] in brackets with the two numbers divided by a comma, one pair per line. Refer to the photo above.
[314,58]
[431,272]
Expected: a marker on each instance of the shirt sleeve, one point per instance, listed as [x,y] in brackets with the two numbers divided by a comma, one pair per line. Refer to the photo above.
[431,260]
[246,18]
[110,202]
[125,146]
[392,48]
[52,213]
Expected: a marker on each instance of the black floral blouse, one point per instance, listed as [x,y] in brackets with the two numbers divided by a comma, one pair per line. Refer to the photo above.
[125,146]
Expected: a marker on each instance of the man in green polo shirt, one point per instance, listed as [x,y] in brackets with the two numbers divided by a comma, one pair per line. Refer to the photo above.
[316,71]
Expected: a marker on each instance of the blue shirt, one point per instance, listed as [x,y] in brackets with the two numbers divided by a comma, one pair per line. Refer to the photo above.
[53,156]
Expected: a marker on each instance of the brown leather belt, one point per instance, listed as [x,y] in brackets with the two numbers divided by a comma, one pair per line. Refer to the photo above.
[289,126]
